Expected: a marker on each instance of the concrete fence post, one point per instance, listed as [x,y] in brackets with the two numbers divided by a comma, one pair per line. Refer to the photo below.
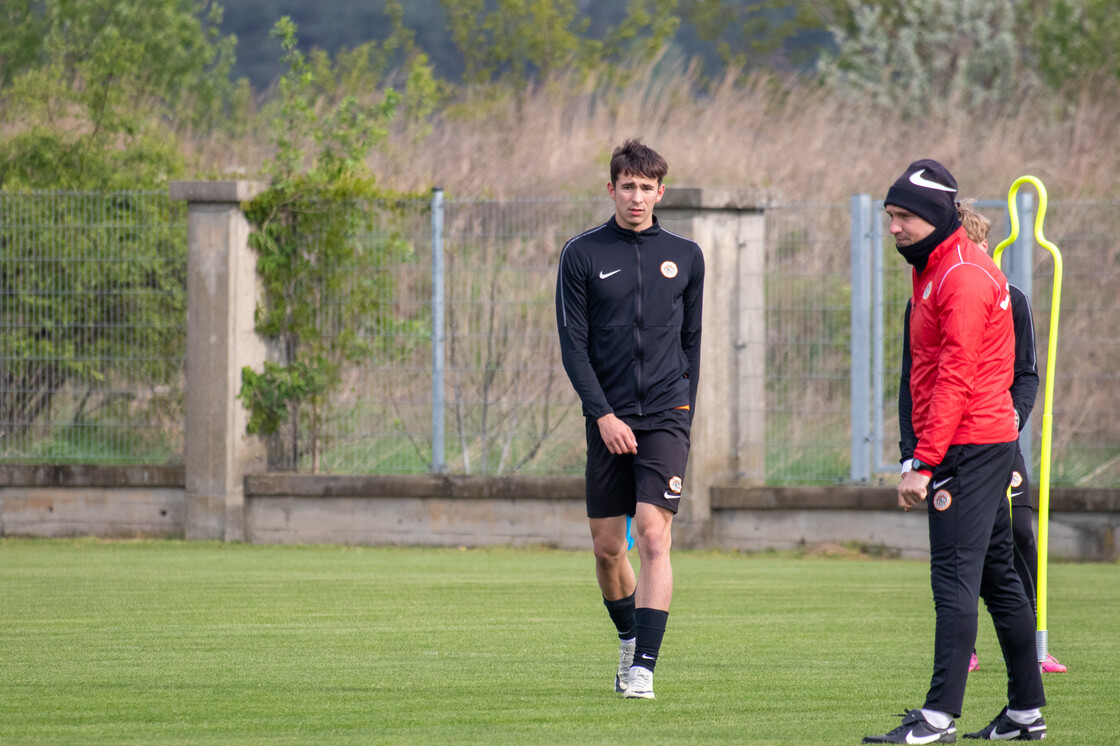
[728,432]
[222,294]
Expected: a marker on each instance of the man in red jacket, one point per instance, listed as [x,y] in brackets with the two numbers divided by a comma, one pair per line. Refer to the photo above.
[962,351]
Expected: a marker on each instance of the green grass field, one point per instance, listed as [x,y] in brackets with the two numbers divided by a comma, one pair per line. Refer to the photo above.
[175,642]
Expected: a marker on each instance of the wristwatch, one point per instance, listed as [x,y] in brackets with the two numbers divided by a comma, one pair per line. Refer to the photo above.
[918,465]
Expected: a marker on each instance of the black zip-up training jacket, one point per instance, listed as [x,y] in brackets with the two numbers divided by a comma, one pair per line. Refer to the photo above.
[628,308]
[1024,386]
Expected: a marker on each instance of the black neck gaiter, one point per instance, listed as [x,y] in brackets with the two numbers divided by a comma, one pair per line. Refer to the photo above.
[917,253]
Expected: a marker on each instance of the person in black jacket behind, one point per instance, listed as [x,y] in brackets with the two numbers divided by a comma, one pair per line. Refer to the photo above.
[628,305]
[1024,390]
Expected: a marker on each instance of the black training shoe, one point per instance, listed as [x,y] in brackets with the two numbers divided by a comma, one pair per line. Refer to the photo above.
[916,729]
[1004,728]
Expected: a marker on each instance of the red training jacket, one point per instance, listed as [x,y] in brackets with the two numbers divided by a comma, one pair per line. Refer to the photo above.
[962,349]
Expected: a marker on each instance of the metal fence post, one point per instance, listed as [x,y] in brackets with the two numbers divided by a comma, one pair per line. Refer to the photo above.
[439,457]
[878,361]
[861,338]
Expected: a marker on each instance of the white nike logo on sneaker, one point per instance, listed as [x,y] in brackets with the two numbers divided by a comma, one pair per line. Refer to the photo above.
[911,738]
[938,485]
[997,736]
[604,275]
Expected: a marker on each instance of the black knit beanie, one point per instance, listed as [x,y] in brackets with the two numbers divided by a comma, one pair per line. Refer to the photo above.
[928,190]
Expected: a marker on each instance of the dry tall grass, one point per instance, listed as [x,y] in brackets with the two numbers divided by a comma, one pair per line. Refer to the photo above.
[797,142]
[791,138]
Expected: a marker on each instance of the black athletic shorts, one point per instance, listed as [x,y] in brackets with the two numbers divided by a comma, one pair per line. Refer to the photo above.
[655,474]
[1020,483]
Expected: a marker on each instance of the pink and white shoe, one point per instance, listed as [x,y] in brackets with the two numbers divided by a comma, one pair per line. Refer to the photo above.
[973,663]
[1051,665]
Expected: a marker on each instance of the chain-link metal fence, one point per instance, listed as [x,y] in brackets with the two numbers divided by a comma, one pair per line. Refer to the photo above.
[1086,403]
[1086,440]
[92,328]
[92,337]
[808,340]
[504,401]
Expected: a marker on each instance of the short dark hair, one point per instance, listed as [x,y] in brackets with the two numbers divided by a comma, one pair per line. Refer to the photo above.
[636,159]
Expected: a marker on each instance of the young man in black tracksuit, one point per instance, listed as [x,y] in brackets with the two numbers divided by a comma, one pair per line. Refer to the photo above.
[628,306]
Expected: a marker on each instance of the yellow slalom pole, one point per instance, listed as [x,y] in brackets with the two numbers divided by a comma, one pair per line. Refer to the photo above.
[1048,396]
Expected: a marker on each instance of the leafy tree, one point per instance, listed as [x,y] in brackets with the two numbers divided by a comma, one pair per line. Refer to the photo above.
[370,66]
[907,54]
[1076,42]
[1001,46]
[91,88]
[749,33]
[21,33]
[518,40]
[89,91]
[322,288]
[648,27]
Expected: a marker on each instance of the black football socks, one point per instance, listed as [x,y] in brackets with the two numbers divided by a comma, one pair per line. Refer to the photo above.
[622,614]
[650,626]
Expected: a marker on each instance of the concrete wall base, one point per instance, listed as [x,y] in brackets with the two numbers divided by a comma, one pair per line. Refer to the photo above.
[105,512]
[81,500]
[432,510]
[433,521]
[1083,523]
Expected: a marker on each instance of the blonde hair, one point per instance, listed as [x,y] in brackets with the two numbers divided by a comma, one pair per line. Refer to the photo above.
[975,224]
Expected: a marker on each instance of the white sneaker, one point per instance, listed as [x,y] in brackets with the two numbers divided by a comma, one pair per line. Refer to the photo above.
[625,658]
[640,685]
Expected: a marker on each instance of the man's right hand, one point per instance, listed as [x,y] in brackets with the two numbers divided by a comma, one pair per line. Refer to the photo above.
[617,435]
[912,490]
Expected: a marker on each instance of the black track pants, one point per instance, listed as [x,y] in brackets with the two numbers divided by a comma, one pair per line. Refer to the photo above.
[971,548]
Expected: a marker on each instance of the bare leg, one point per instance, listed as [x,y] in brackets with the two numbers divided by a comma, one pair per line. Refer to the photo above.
[612,565]
[655,581]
